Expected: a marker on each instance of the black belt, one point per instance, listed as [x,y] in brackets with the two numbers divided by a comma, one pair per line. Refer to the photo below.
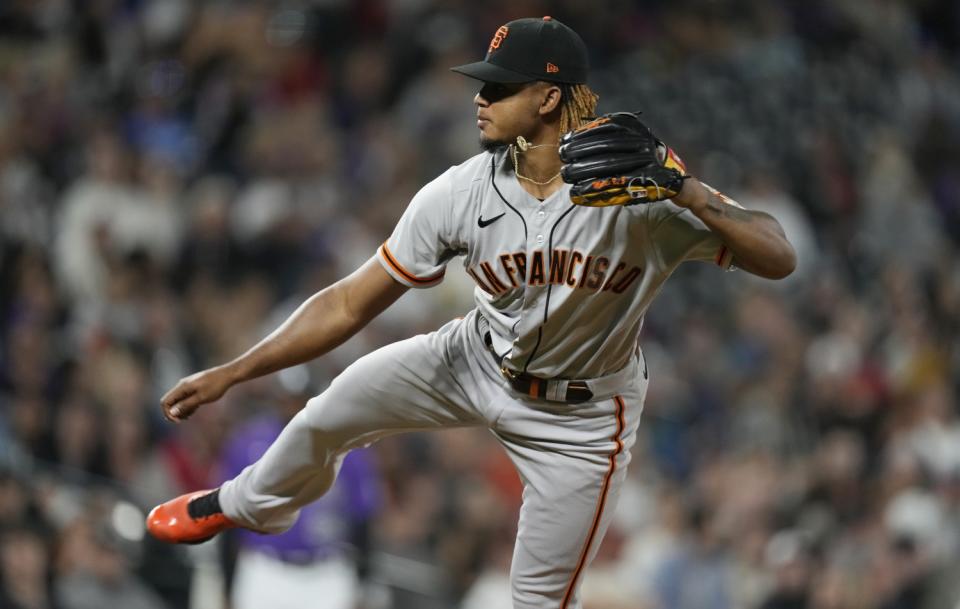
[553,390]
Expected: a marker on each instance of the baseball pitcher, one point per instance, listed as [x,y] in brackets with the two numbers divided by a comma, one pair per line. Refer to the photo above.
[569,224]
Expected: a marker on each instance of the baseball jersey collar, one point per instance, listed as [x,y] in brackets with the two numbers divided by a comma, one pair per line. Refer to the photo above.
[510,186]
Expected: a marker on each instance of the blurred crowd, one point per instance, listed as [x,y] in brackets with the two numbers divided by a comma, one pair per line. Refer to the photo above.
[176,177]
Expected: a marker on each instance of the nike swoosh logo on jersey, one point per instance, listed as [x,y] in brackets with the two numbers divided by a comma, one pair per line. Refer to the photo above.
[483,223]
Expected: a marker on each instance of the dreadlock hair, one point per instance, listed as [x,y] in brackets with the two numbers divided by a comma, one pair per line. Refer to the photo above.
[578,104]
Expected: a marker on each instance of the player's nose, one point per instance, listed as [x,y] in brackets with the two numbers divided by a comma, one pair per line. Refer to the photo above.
[479,101]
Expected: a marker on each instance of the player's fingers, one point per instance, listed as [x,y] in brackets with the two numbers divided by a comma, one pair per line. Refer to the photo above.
[172,403]
[180,391]
[173,412]
[168,416]
[184,408]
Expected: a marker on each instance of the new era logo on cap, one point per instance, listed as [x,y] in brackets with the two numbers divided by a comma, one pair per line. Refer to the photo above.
[531,49]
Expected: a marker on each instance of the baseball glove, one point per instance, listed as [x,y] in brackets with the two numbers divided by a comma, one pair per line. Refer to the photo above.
[616,160]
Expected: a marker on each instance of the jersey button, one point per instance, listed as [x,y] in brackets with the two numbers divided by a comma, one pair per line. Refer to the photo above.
[541,213]
[539,239]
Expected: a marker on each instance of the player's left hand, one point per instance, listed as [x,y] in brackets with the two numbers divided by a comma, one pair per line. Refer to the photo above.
[617,160]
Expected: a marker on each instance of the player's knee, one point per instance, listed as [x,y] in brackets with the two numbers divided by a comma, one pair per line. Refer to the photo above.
[328,430]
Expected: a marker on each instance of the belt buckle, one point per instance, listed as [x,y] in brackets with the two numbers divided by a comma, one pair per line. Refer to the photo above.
[510,374]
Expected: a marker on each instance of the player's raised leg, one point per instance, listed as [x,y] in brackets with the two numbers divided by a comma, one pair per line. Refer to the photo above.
[572,475]
[402,387]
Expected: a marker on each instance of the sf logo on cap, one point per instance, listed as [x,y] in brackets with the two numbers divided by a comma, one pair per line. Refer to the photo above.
[498,37]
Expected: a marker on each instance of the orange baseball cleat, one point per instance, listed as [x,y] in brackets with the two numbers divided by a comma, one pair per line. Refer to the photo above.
[191,518]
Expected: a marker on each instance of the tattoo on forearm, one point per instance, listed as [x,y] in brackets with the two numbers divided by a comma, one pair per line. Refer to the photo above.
[715,205]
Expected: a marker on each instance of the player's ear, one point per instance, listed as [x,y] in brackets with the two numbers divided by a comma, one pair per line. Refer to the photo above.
[550,98]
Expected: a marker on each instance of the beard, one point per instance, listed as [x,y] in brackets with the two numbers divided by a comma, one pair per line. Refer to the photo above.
[494,146]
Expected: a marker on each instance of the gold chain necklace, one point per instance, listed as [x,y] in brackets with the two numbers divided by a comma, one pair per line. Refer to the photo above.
[523,145]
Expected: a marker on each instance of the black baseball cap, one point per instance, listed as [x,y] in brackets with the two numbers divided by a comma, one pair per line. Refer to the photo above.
[531,49]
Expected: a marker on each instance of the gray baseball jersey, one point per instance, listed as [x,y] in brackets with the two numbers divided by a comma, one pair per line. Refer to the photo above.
[561,292]
[564,288]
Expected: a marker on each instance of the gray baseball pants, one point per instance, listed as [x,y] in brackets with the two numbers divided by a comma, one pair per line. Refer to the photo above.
[572,458]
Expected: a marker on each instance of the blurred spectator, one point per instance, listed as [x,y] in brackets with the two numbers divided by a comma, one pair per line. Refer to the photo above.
[700,574]
[25,565]
[899,225]
[791,561]
[765,194]
[86,246]
[94,571]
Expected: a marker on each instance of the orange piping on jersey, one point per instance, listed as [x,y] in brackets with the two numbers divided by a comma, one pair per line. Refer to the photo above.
[720,254]
[601,502]
[404,272]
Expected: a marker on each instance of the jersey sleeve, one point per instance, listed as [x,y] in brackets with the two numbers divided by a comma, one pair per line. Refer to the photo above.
[678,235]
[417,252]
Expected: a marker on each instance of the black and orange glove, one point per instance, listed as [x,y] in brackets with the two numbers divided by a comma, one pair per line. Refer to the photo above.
[616,160]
